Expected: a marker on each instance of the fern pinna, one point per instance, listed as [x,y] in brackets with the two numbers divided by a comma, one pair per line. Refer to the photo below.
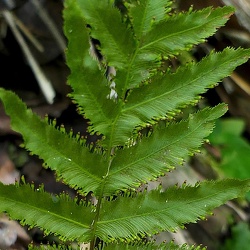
[122,92]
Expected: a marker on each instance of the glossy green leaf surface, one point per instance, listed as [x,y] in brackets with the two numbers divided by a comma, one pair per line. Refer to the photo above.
[123,80]
[71,161]
[159,153]
[54,214]
[157,211]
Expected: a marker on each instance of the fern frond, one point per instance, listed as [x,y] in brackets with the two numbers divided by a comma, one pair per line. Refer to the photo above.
[192,79]
[162,151]
[116,120]
[172,91]
[71,161]
[152,246]
[169,37]
[185,30]
[146,13]
[117,43]
[122,246]
[55,247]
[54,214]
[148,213]
[90,87]
[133,59]
[134,44]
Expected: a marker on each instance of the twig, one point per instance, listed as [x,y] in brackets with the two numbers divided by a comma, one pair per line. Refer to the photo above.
[42,80]
[28,34]
[50,24]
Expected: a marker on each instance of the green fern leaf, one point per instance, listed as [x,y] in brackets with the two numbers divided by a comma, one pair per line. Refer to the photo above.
[150,246]
[159,153]
[172,91]
[134,45]
[122,246]
[54,214]
[88,82]
[72,162]
[147,213]
[106,115]
[169,37]
[117,43]
[145,13]
[184,30]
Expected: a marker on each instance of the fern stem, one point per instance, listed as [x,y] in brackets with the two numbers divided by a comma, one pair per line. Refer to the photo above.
[99,203]
[94,223]
[111,153]
[129,72]
[92,244]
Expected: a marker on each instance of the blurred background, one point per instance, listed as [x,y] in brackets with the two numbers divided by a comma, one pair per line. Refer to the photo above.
[32,63]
